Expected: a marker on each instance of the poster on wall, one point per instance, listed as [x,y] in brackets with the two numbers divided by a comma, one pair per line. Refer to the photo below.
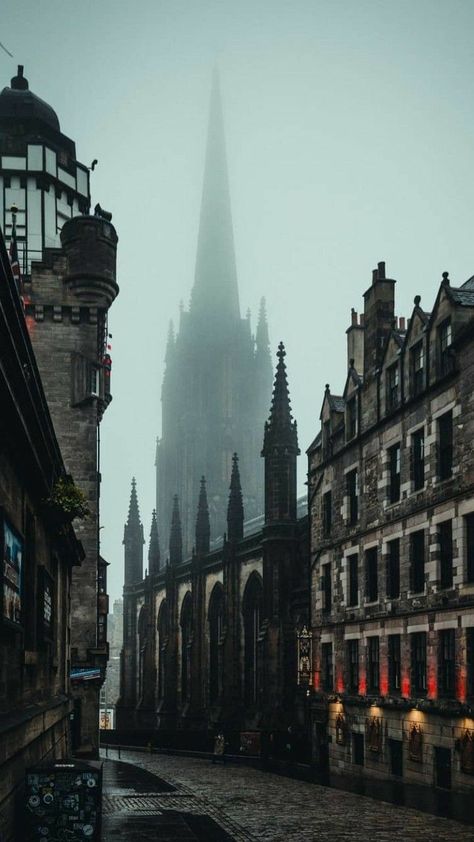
[12,573]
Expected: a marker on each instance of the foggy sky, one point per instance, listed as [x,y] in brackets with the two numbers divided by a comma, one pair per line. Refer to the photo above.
[349,128]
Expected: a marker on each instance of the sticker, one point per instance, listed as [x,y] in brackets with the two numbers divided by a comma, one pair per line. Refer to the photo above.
[87,830]
[90,782]
[34,800]
[48,798]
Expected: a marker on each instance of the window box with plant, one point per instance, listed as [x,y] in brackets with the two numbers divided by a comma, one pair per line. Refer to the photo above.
[66,502]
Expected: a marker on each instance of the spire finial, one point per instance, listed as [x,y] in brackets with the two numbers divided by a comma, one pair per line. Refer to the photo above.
[133,510]
[203,527]
[176,540]
[154,546]
[235,508]
[19,82]
[280,428]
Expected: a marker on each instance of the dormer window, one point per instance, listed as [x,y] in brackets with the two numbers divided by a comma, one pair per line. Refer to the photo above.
[417,368]
[444,347]
[392,383]
[351,419]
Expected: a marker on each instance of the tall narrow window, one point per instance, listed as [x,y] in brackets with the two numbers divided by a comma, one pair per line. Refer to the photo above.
[326,667]
[394,473]
[446,554]
[392,383]
[351,418]
[444,347]
[393,569]
[353,596]
[252,611]
[371,575]
[469,521]
[352,490]
[394,663]
[418,458]
[418,662]
[216,625]
[327,588]
[417,368]
[447,663]
[417,561]
[186,642]
[352,651]
[373,670]
[445,445]
[327,514]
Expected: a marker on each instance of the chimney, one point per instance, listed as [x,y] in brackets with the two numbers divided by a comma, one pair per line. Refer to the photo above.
[355,343]
[379,311]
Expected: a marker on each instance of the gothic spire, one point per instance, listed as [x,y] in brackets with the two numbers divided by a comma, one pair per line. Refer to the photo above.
[261,337]
[154,546]
[133,510]
[203,527]
[176,540]
[280,429]
[133,540]
[235,508]
[170,342]
[215,290]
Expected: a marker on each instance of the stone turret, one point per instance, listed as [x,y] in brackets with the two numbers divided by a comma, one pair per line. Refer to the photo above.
[235,508]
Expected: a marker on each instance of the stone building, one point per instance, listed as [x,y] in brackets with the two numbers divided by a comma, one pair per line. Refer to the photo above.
[391,507]
[210,637]
[68,263]
[217,382]
[37,562]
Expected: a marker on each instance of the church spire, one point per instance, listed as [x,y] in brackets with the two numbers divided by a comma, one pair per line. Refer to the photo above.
[176,540]
[235,508]
[215,291]
[280,429]
[170,342]
[203,528]
[261,336]
[133,540]
[154,546]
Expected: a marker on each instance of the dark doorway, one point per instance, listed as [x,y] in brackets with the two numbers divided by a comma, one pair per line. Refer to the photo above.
[443,767]
[396,757]
[358,749]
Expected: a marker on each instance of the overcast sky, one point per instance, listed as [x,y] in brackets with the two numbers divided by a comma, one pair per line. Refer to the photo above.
[350,137]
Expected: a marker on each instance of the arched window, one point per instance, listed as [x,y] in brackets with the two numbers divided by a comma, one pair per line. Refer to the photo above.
[163,634]
[216,628]
[252,616]
[186,641]
[142,643]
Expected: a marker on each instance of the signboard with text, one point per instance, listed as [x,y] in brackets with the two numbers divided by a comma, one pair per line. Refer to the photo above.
[12,564]
[63,802]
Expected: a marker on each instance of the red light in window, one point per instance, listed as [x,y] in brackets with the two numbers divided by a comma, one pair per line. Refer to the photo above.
[461,685]
[406,687]
[383,684]
[30,322]
[431,689]
[362,684]
[340,684]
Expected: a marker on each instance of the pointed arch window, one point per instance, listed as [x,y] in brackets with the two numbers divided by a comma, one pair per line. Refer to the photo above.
[216,639]
[163,635]
[186,645]
[252,616]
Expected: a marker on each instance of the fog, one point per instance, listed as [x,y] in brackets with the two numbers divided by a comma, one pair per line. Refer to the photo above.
[349,128]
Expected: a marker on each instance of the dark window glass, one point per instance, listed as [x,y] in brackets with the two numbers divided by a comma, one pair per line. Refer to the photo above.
[446,554]
[327,587]
[445,430]
[353,562]
[186,640]
[393,569]
[373,665]
[371,577]
[252,611]
[418,457]
[417,561]
[392,383]
[418,662]
[470,547]
[394,663]
[352,666]
[327,513]
[351,416]
[446,359]
[394,471]
[216,623]
[326,667]
[417,368]
[446,663]
[352,486]
[470,661]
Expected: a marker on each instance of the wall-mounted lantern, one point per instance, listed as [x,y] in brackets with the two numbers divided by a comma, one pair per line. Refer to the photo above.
[305,656]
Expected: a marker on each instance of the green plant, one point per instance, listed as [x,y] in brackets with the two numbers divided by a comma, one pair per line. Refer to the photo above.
[67,501]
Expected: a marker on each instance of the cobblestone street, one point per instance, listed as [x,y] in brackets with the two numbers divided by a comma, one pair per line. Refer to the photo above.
[249,805]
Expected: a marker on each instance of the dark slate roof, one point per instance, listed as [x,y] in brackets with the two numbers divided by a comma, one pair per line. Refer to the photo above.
[463,296]
[337,403]
[469,284]
[315,443]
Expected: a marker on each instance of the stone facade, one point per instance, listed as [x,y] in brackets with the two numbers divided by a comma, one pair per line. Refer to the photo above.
[391,507]
[38,556]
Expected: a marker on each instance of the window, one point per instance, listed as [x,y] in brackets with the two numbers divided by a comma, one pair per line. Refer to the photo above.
[373,665]
[444,347]
[352,490]
[394,663]
[394,473]
[352,650]
[418,458]
[392,380]
[469,521]
[446,554]
[327,513]
[327,589]
[326,667]
[163,632]
[353,595]
[445,445]
[470,661]
[216,626]
[252,611]
[446,663]
[417,366]
[417,561]
[393,569]
[351,419]
[94,381]
[418,662]
[371,578]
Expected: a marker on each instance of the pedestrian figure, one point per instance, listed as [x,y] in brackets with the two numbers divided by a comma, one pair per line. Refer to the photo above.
[219,748]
